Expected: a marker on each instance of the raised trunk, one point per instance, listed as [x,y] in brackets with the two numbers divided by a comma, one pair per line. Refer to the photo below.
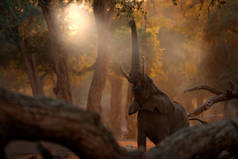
[33,76]
[135,74]
[116,108]
[103,22]
[59,58]
[132,119]
[135,64]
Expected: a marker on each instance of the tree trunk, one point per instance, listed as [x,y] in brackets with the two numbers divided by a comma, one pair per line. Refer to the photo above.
[116,108]
[103,22]
[33,119]
[99,79]
[131,121]
[33,76]
[62,89]
[58,56]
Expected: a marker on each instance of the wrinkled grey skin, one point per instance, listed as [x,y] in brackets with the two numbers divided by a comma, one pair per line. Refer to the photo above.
[158,116]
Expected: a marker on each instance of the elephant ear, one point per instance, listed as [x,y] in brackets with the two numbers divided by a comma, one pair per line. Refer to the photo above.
[161,103]
[134,107]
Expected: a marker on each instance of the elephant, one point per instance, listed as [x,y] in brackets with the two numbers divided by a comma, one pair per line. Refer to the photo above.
[158,116]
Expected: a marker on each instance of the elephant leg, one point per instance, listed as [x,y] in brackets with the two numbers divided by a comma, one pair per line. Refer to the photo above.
[141,138]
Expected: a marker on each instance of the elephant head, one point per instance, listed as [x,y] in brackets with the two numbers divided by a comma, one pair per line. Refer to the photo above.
[146,94]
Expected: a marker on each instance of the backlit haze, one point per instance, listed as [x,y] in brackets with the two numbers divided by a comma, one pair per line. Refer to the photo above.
[76,25]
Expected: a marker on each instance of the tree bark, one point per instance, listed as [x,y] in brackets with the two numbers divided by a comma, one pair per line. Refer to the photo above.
[27,118]
[98,81]
[33,76]
[59,57]
[131,121]
[103,14]
[116,108]
[207,140]
[62,89]
[33,119]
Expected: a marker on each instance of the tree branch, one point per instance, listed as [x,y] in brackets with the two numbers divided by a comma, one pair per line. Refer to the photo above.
[201,121]
[228,95]
[208,104]
[204,87]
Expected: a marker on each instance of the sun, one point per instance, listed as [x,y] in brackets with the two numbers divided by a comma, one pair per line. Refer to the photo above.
[78,18]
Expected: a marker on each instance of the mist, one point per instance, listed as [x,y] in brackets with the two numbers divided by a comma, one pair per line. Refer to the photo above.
[183,46]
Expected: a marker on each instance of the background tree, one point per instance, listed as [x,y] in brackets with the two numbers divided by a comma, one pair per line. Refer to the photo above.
[20,31]
[103,11]
[58,56]
[220,40]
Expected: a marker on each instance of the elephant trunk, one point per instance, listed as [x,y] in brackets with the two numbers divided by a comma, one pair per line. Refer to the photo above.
[135,65]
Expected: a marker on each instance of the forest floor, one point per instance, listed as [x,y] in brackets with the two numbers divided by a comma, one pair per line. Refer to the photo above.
[27,150]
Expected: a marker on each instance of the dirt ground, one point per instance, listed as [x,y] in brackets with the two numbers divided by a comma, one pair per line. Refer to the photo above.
[27,150]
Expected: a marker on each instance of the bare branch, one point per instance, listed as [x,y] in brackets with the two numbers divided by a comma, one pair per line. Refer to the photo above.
[208,104]
[201,121]
[204,87]
[228,95]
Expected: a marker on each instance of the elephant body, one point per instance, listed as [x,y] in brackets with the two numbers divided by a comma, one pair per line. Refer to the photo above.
[158,116]
[157,126]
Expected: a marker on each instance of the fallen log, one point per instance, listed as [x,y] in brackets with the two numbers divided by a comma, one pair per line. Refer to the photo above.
[35,119]
[27,118]
[210,139]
